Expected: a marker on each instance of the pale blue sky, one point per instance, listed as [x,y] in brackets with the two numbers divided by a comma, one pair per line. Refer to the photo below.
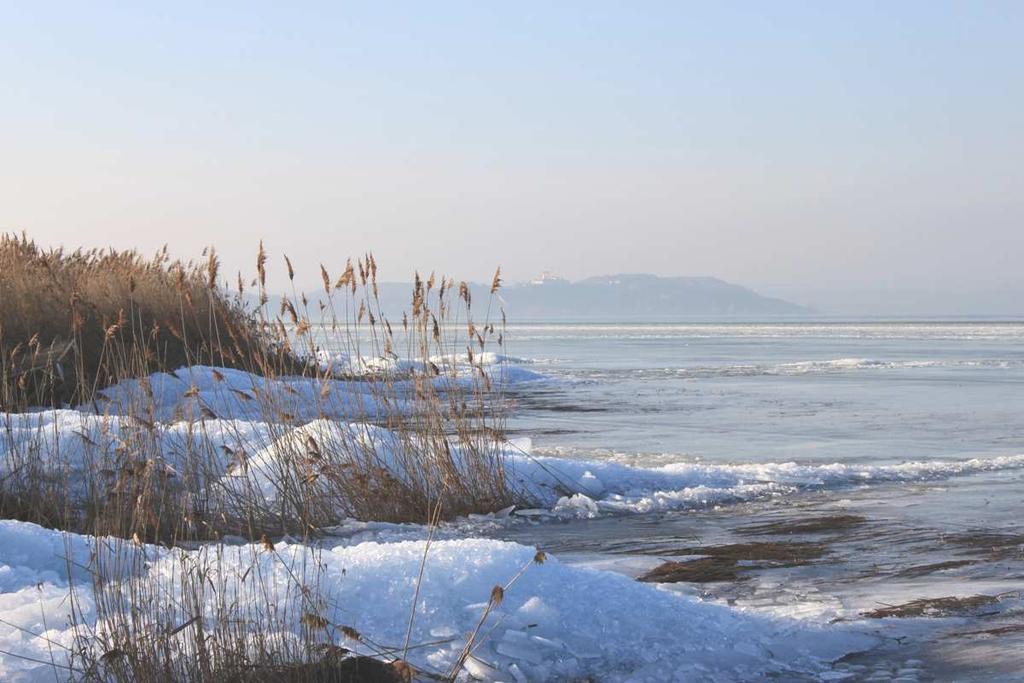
[790,145]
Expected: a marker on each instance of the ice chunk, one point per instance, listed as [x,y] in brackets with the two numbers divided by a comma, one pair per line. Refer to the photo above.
[579,506]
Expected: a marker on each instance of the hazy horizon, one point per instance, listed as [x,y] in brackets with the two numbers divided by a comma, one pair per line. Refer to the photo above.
[858,158]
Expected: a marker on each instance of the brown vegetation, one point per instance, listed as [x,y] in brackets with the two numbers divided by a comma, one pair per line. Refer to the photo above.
[74,322]
[723,562]
[934,607]
[702,570]
[782,552]
[816,525]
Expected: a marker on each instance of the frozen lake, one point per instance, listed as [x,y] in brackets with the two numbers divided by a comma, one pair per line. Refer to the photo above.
[817,394]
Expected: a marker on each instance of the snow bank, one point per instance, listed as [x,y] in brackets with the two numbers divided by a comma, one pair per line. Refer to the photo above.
[74,442]
[189,393]
[556,621]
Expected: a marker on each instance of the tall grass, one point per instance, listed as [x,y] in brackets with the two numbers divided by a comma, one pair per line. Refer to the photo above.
[360,417]
[74,322]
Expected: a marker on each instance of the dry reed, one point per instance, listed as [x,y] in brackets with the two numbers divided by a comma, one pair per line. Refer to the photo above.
[423,442]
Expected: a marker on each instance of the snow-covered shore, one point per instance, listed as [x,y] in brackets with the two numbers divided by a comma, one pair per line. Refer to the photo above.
[556,621]
[71,440]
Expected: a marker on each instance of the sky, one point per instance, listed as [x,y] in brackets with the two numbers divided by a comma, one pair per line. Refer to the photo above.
[811,150]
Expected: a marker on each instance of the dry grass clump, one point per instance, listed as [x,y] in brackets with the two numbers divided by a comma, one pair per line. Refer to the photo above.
[925,569]
[72,322]
[782,552]
[986,544]
[434,432]
[236,613]
[218,623]
[934,607]
[702,570]
[826,524]
[723,562]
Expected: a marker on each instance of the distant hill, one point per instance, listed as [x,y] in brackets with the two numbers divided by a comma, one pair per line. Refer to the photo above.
[635,296]
[615,297]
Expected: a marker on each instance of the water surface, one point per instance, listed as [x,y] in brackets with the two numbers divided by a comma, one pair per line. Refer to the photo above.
[815,393]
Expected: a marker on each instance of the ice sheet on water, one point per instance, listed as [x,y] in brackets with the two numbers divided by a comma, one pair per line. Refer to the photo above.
[821,366]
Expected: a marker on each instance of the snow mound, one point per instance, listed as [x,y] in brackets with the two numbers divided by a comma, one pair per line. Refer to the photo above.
[556,621]
[192,392]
